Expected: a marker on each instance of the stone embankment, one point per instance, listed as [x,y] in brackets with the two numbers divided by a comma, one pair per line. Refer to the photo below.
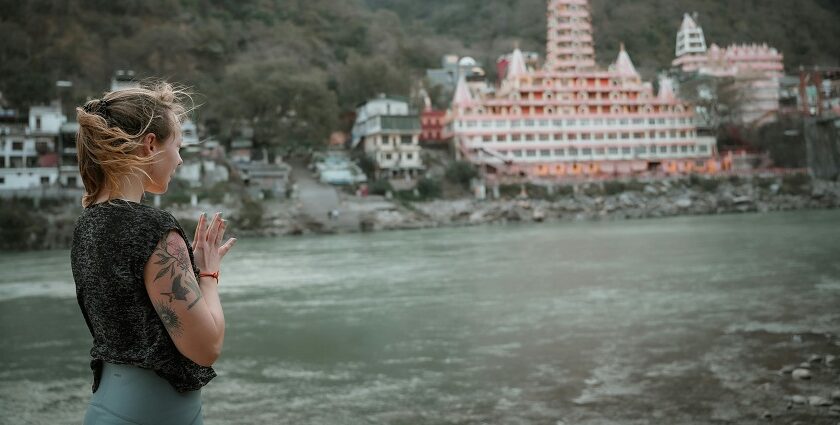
[589,202]
[51,228]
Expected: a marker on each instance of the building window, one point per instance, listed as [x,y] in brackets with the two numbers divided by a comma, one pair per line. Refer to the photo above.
[663,149]
[613,151]
[684,149]
[529,137]
[704,148]
[586,151]
[515,123]
[486,124]
[37,123]
[600,151]
[71,181]
[409,156]
[560,152]
[573,151]
[599,136]
[515,137]
[487,139]
[405,140]
[45,180]
[530,153]
[517,153]
[387,157]
[545,152]
[17,146]
[544,137]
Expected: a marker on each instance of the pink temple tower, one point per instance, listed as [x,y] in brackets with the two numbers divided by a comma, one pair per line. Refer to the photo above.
[570,44]
[572,119]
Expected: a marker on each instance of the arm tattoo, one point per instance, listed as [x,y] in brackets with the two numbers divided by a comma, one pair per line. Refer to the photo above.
[175,262]
[169,318]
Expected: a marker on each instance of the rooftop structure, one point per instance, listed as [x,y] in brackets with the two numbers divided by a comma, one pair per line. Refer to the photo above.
[571,118]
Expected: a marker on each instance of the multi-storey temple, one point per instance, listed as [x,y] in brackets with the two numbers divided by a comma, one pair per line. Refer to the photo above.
[571,118]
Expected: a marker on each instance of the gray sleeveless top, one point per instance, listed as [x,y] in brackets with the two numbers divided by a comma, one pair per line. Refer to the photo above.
[112,242]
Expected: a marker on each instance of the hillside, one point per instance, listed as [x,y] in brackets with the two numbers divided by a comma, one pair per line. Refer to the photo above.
[292,67]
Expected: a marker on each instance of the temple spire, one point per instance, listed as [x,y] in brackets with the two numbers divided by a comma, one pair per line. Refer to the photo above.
[516,67]
[569,45]
[624,65]
[462,92]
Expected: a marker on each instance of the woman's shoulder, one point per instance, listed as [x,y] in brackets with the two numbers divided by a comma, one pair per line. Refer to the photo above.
[130,214]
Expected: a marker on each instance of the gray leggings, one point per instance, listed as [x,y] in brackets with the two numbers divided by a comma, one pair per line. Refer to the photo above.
[129,395]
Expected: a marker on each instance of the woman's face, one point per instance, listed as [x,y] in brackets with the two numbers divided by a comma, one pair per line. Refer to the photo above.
[168,158]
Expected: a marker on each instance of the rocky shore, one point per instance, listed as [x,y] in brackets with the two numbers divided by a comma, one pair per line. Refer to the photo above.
[590,201]
[51,228]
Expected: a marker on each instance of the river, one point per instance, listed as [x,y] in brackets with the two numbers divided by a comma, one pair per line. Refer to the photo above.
[679,321]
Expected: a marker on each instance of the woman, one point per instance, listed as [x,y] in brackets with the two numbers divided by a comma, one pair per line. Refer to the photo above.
[149,298]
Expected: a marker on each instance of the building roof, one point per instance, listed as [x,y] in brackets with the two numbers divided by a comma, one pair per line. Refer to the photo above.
[688,23]
[462,92]
[624,65]
[516,67]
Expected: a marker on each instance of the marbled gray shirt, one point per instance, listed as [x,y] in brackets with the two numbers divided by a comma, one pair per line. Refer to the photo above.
[112,242]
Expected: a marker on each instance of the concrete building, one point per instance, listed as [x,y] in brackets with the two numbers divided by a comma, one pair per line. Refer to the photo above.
[389,134]
[28,149]
[756,70]
[571,119]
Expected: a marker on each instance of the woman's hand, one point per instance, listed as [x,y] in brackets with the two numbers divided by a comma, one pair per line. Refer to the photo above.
[208,249]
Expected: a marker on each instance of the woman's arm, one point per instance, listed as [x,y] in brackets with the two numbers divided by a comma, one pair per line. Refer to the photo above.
[190,310]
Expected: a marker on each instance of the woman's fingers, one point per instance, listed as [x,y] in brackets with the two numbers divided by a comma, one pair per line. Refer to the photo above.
[212,229]
[221,236]
[199,229]
[226,247]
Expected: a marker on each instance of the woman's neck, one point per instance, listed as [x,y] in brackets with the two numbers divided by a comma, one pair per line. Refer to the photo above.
[133,193]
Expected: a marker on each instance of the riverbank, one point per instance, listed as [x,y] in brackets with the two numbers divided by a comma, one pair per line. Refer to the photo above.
[586,201]
[25,227]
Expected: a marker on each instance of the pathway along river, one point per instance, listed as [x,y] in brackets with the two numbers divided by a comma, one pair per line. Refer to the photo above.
[676,321]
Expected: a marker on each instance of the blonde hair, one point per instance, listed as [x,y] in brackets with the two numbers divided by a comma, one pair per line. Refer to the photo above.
[112,128]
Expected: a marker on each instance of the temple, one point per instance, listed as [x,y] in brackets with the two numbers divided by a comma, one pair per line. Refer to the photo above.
[755,69]
[572,119]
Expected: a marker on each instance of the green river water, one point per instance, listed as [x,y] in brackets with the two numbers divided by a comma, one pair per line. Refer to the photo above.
[656,321]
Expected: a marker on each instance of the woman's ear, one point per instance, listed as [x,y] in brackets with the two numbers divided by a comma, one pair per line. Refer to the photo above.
[149,144]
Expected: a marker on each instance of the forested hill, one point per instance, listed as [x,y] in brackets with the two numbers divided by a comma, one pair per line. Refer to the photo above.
[806,31]
[299,63]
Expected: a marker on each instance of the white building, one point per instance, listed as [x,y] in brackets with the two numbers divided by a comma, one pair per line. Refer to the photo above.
[390,135]
[28,157]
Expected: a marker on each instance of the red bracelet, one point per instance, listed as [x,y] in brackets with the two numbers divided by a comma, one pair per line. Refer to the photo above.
[214,275]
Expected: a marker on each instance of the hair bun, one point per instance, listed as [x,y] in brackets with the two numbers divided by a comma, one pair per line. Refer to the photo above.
[98,107]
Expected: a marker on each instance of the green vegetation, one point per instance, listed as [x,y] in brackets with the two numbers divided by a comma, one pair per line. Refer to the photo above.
[381,187]
[461,172]
[429,188]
